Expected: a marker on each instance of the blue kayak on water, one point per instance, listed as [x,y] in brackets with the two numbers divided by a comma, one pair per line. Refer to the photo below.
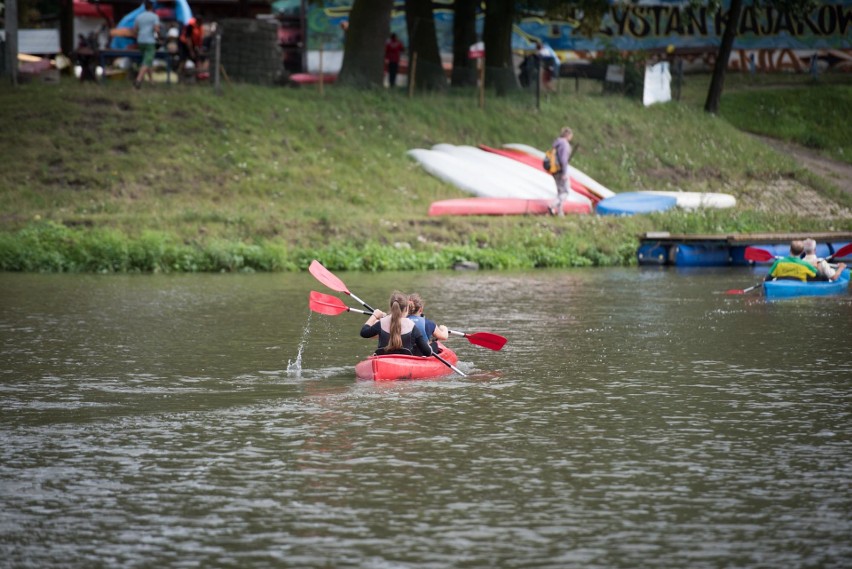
[793,289]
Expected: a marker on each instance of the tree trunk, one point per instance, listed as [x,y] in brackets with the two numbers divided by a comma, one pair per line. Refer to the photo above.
[464,36]
[423,41]
[67,41]
[364,54]
[717,83]
[10,22]
[497,34]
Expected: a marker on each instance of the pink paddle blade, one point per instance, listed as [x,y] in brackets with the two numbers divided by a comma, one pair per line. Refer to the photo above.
[326,277]
[326,304]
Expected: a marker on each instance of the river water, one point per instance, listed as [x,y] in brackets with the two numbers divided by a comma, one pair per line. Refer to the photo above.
[636,418]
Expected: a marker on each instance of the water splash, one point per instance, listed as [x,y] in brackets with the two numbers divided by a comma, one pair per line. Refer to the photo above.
[294,368]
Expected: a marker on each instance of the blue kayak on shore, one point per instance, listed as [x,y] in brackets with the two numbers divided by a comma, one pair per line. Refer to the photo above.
[793,289]
[630,203]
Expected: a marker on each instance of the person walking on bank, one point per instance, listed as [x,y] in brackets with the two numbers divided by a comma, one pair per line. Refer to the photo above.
[147,27]
[393,53]
[562,145]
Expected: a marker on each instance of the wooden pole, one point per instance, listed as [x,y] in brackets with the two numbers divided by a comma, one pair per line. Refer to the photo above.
[481,63]
[538,84]
[412,75]
[217,65]
[321,78]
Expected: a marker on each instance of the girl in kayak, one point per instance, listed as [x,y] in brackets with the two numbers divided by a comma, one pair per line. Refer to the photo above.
[397,334]
[431,330]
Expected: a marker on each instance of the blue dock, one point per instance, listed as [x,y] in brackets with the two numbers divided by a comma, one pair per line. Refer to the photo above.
[684,250]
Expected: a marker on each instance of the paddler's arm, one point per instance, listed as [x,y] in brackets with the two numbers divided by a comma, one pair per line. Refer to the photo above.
[422,342]
[370,328]
[441,333]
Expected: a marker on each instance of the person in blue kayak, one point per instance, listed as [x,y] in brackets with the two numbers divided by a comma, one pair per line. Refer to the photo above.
[432,331]
[825,272]
[397,334]
[792,267]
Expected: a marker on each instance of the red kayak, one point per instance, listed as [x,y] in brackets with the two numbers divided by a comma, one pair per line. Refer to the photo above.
[392,367]
[501,206]
[312,78]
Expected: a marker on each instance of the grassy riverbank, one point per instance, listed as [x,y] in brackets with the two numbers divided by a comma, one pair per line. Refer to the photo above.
[174,178]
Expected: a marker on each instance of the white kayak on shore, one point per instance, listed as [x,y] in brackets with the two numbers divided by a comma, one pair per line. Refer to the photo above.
[486,174]
[697,200]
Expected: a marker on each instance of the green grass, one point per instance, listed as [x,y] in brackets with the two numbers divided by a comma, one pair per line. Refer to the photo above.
[175,178]
[806,116]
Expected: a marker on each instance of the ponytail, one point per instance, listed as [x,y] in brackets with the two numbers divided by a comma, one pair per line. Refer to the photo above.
[398,309]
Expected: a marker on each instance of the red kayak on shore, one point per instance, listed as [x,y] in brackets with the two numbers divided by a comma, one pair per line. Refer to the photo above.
[393,367]
[502,206]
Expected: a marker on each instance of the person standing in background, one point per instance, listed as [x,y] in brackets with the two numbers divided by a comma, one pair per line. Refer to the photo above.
[549,63]
[147,27]
[393,53]
[191,40]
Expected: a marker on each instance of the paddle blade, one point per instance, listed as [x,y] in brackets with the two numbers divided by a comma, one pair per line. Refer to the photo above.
[487,340]
[326,304]
[326,277]
[843,251]
[758,255]
[742,290]
[327,299]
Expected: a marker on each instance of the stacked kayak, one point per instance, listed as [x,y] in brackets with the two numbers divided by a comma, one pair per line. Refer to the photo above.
[393,367]
[536,163]
[793,289]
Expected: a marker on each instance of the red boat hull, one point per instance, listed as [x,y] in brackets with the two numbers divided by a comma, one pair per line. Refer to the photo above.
[393,367]
[501,206]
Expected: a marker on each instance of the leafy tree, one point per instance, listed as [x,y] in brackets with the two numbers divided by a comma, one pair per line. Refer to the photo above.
[423,41]
[796,8]
[497,35]
[364,54]
[464,35]
[717,82]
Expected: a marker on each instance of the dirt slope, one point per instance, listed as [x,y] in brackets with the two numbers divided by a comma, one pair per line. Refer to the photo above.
[838,173]
[790,196]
